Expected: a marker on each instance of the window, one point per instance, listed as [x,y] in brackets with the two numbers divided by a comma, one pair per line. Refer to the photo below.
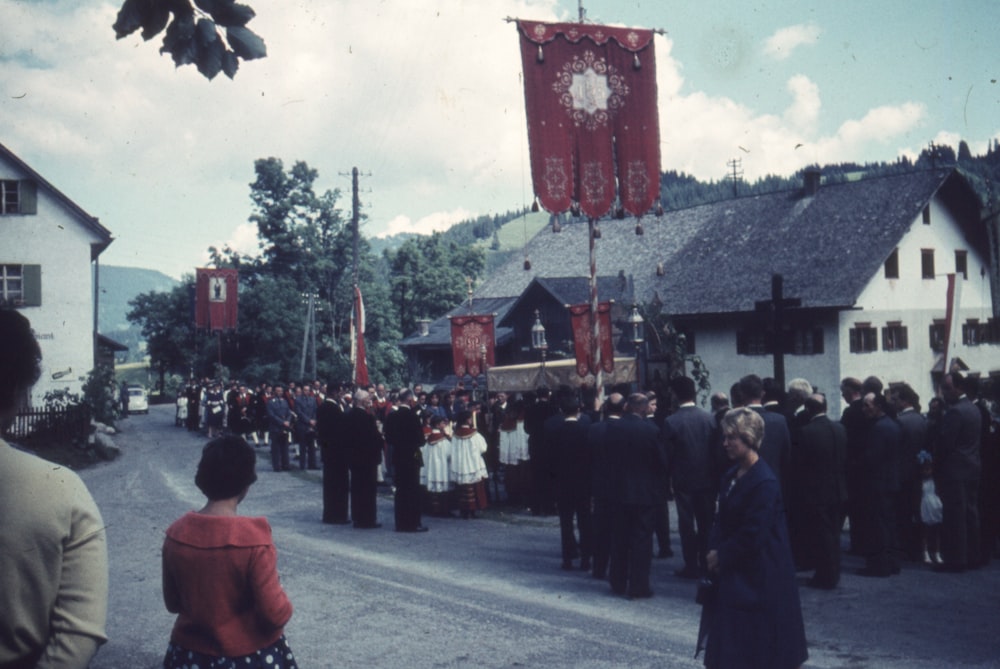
[17,197]
[892,265]
[927,263]
[805,341]
[973,334]
[752,342]
[894,337]
[927,215]
[864,338]
[938,332]
[962,263]
[20,285]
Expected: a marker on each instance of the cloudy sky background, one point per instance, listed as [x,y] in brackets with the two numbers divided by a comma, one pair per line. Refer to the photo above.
[425,96]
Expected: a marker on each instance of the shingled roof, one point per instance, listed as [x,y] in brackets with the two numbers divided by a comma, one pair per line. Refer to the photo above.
[719,258]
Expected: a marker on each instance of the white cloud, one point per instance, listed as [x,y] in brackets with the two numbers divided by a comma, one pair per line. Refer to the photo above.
[804,110]
[423,96]
[782,43]
[436,222]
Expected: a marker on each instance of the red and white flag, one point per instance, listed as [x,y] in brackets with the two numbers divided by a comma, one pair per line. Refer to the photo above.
[359,363]
[216,298]
[584,345]
[953,321]
[472,343]
[593,123]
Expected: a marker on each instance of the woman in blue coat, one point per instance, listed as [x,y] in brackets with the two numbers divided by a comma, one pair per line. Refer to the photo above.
[757,619]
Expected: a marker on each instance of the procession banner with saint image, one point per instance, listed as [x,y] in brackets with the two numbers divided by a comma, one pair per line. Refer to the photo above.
[469,334]
[590,101]
[216,298]
[583,338]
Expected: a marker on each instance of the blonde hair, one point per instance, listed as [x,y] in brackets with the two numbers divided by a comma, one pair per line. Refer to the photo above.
[746,424]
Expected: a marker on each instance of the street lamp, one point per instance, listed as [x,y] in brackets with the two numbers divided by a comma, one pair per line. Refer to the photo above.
[538,342]
[637,326]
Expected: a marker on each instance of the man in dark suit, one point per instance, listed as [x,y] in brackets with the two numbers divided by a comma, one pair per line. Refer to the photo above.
[571,460]
[638,465]
[279,415]
[601,483]
[880,466]
[776,448]
[687,435]
[405,435]
[958,473]
[906,402]
[818,476]
[361,432]
[336,459]
[856,423]
[540,496]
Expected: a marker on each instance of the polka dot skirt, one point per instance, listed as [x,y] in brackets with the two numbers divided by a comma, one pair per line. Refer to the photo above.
[276,656]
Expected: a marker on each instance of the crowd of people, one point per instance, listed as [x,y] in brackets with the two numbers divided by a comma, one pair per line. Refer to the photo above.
[763,484]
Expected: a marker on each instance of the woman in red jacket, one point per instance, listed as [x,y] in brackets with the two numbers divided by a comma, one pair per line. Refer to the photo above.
[220,573]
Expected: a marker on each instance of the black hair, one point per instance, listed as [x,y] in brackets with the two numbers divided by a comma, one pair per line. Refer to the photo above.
[684,388]
[228,466]
[20,358]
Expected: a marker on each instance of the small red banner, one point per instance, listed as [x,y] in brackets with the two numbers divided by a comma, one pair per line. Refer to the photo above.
[583,338]
[216,298]
[469,335]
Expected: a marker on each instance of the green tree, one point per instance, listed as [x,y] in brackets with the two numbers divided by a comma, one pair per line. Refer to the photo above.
[194,32]
[166,323]
[428,277]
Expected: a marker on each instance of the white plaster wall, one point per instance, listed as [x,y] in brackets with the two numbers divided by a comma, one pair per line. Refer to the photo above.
[916,302]
[910,290]
[716,345]
[63,324]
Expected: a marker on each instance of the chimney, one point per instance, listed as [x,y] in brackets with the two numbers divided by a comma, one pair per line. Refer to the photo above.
[810,181]
[425,326]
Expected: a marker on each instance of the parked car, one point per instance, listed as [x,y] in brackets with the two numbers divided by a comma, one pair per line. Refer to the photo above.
[138,401]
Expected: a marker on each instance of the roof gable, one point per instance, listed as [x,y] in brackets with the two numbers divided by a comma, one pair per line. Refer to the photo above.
[89,222]
[719,257]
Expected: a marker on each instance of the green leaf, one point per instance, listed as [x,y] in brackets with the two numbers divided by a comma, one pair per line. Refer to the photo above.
[129,19]
[154,19]
[230,63]
[210,54]
[205,32]
[179,40]
[245,43]
[233,15]
[207,6]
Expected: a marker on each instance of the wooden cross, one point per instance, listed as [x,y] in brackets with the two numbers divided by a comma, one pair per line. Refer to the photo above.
[776,306]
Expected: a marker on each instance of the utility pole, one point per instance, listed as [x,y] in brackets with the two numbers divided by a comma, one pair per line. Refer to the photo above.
[736,173]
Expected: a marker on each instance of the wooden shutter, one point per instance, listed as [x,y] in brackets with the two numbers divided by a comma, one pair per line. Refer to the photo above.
[31,278]
[28,196]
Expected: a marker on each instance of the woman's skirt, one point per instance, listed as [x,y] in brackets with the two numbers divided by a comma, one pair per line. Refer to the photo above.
[471,496]
[276,656]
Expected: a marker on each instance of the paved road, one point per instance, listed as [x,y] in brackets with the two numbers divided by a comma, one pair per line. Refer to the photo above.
[487,592]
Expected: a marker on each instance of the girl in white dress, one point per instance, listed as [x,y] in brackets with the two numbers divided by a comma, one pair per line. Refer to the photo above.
[930,511]
[435,475]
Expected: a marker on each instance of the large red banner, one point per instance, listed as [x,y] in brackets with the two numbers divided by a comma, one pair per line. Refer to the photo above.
[359,357]
[471,337]
[583,338]
[216,300]
[593,124]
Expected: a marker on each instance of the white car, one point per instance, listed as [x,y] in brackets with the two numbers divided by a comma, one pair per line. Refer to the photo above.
[138,402]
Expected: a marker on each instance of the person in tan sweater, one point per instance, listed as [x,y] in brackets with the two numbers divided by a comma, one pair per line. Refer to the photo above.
[53,551]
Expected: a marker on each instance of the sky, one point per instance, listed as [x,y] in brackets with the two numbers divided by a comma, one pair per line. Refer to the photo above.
[424,97]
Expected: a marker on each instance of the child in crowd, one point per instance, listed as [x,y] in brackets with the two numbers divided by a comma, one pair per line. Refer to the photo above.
[930,511]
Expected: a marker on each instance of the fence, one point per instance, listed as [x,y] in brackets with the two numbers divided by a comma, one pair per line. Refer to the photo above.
[67,424]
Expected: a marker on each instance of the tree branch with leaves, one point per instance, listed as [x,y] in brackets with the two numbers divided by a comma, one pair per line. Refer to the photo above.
[194,32]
